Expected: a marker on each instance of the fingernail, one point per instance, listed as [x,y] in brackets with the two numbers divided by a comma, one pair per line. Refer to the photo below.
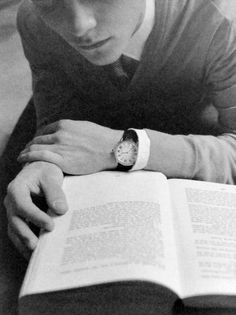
[50,225]
[32,244]
[21,155]
[21,159]
[59,206]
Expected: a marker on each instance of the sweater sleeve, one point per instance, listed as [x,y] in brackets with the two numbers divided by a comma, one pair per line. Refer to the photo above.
[53,91]
[206,157]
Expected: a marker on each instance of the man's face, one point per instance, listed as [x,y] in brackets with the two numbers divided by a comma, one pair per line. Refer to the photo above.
[99,30]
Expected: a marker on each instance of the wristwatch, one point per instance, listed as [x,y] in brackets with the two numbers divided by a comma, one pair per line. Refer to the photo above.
[126,151]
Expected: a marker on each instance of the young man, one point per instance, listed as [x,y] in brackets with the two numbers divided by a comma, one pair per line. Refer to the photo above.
[180,95]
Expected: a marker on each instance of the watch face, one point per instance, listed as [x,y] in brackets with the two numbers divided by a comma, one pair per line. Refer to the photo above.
[126,153]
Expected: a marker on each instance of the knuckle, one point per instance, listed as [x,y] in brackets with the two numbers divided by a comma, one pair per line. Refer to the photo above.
[33,147]
[62,123]
[59,136]
[47,138]
[56,137]
[36,140]
[9,200]
[22,212]
[10,190]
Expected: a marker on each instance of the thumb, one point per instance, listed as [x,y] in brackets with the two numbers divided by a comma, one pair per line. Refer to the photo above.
[55,196]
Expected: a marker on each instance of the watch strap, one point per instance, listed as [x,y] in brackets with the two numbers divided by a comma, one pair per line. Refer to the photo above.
[123,168]
[130,134]
[143,150]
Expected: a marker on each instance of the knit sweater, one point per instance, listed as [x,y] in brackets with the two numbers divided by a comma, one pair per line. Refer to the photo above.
[184,87]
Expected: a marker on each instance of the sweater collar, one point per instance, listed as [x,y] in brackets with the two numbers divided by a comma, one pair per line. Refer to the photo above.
[138,40]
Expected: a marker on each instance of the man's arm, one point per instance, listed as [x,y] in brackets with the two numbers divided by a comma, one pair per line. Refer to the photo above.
[40,178]
[209,158]
[80,147]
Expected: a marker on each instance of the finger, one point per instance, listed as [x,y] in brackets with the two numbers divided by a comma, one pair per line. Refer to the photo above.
[23,232]
[45,139]
[23,250]
[46,156]
[20,204]
[54,194]
[50,128]
[39,147]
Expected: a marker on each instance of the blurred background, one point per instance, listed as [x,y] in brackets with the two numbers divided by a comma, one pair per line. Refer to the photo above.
[15,79]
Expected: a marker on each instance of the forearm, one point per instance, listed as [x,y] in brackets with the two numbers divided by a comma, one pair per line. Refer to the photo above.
[207,158]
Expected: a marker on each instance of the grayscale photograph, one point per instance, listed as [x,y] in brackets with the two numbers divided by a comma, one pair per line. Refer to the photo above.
[117,157]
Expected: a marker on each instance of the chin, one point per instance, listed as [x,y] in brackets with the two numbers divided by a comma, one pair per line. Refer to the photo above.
[102,60]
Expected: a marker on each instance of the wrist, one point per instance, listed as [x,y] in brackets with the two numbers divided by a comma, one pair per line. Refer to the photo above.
[112,140]
[133,150]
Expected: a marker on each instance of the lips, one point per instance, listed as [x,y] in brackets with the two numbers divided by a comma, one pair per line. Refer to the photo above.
[93,45]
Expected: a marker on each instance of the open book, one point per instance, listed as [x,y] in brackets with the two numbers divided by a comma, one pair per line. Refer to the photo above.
[135,229]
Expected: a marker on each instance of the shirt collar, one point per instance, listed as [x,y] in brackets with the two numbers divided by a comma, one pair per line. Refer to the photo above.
[138,40]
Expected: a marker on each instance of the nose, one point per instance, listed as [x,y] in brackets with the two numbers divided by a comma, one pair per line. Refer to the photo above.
[79,18]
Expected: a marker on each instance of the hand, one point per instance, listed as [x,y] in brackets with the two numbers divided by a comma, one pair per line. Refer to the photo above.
[77,147]
[36,179]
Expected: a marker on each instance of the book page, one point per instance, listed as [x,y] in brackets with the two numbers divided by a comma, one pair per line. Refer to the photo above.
[205,216]
[118,228]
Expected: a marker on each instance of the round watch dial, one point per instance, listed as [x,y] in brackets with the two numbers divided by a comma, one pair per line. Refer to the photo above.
[126,153]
